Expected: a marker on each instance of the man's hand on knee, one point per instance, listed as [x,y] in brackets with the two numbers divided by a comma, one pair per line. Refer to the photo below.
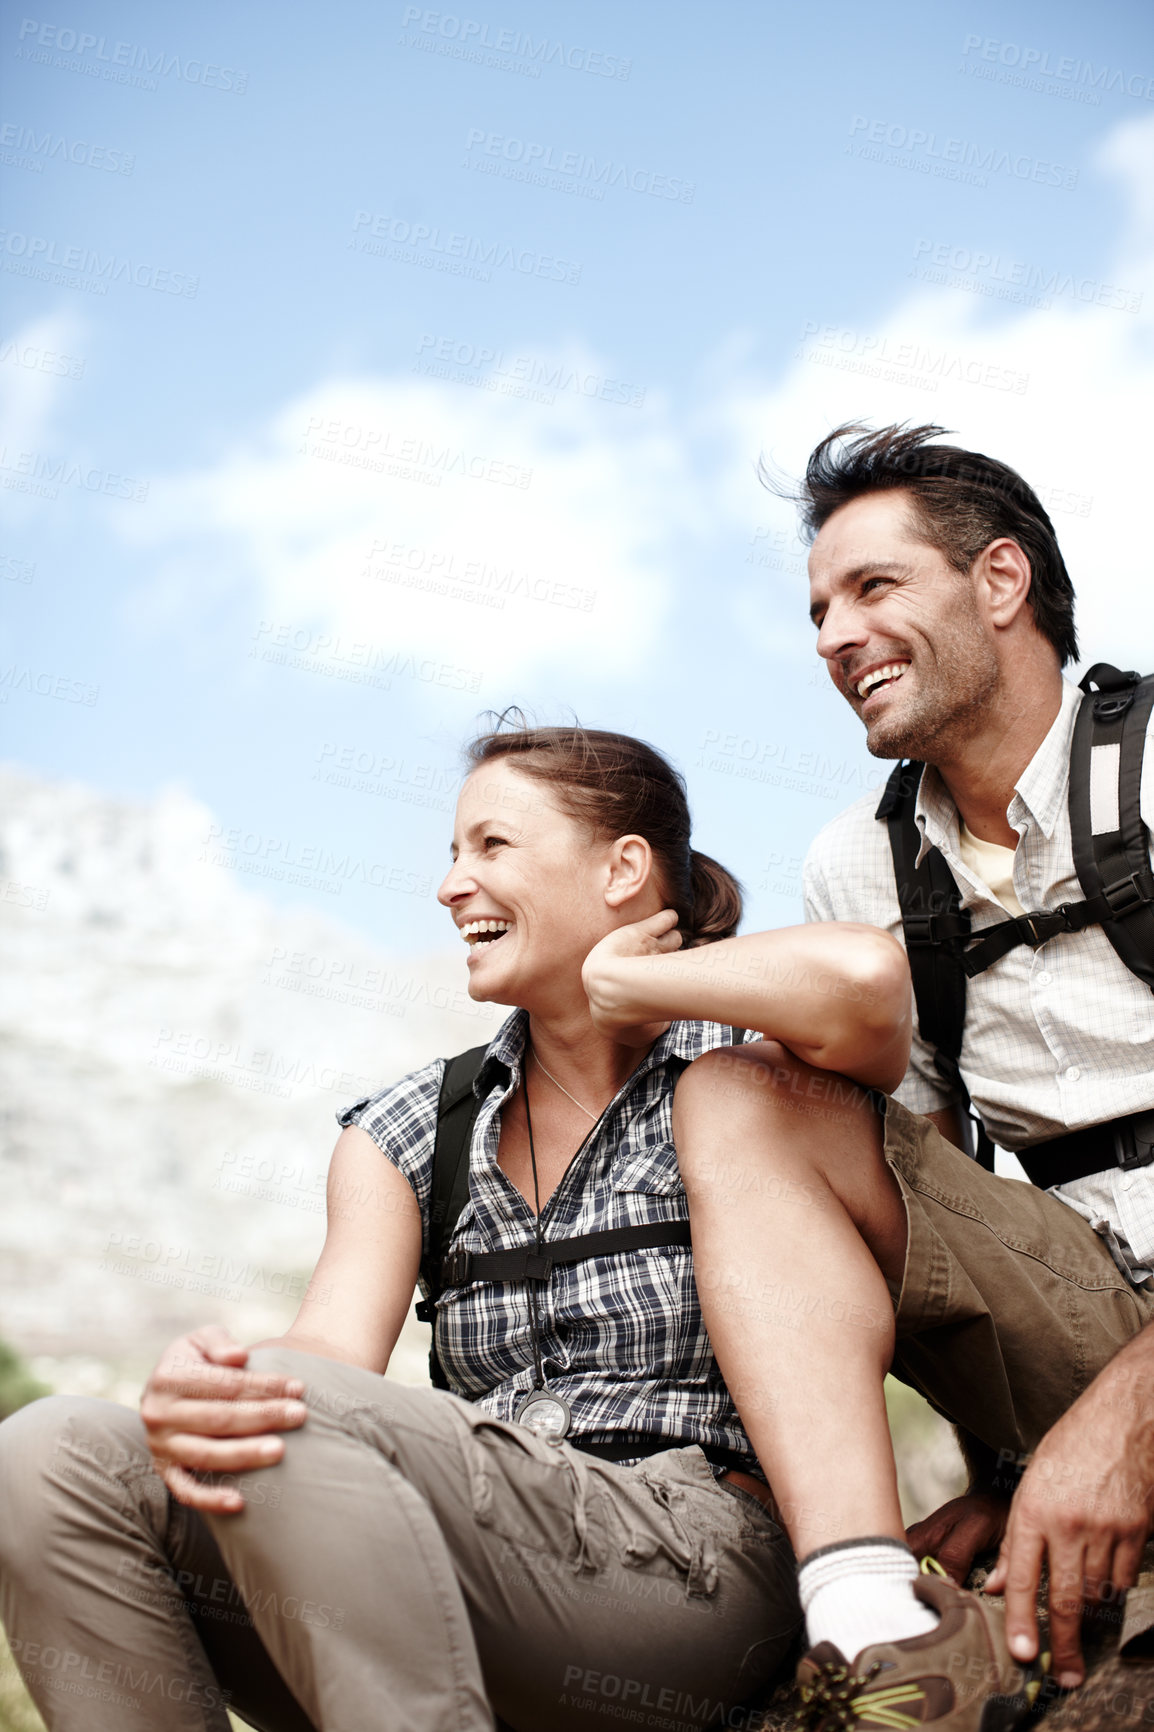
[204,1412]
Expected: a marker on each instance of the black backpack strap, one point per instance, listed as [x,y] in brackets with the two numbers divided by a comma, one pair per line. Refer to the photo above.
[935,927]
[1111,849]
[1110,842]
[536,1263]
[457,1109]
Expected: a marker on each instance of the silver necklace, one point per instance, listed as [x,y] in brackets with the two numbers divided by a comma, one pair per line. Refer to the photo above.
[563,1089]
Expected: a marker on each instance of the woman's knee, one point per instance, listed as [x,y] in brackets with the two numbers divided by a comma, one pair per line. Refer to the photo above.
[332,1387]
[759,1087]
[54,1449]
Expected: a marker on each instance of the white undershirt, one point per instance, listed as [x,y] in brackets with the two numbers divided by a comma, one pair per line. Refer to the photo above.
[993,864]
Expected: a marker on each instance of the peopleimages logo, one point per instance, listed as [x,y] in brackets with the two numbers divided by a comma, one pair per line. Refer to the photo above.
[1014,279]
[477,40]
[1040,63]
[540,163]
[440,249]
[24,147]
[38,360]
[34,255]
[952,158]
[119,62]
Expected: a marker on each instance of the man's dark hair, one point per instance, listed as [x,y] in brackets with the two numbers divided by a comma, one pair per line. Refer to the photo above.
[960,502]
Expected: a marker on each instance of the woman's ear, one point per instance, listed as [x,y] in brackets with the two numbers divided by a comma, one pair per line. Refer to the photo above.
[630,870]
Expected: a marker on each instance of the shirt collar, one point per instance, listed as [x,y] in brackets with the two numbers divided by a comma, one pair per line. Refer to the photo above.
[681,1041]
[1042,786]
[1039,792]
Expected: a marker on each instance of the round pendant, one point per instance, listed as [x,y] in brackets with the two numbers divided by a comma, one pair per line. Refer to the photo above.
[545,1414]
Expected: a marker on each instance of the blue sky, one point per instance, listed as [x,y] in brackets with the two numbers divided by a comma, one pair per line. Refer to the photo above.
[367,370]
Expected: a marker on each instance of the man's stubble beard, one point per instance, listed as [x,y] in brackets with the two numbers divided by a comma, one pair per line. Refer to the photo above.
[943,717]
[932,731]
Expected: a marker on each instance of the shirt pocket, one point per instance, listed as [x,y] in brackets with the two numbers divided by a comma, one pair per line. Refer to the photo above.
[650,1170]
[659,1319]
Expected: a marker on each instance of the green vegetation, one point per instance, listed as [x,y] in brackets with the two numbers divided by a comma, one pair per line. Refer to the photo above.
[16,1711]
[930,1466]
[17,1385]
[17,1388]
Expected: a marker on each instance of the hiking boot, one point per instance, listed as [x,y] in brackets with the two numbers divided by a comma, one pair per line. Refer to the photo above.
[960,1675]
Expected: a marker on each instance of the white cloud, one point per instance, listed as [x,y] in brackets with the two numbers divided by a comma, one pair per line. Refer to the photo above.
[34,366]
[1077,428]
[487,529]
[413,478]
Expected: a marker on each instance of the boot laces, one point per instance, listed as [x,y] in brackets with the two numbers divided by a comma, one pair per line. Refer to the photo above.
[839,1698]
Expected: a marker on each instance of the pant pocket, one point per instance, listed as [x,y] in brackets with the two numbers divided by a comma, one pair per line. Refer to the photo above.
[538,1496]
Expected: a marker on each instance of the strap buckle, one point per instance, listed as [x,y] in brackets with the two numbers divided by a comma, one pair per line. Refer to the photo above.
[1111,706]
[1134,1142]
[1043,924]
[1126,895]
[455,1268]
[933,928]
[538,1267]
[1033,937]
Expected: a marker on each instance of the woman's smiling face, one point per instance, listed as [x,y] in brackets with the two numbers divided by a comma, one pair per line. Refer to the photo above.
[526,889]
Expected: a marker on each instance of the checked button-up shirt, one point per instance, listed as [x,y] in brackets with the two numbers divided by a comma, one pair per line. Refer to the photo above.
[621,1337]
[1056,1038]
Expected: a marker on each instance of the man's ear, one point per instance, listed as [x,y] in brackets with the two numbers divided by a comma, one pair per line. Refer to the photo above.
[630,870]
[1004,569]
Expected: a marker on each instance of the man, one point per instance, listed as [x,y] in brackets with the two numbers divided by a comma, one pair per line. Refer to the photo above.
[944,614]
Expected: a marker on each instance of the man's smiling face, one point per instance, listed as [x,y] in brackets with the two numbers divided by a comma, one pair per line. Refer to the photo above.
[901,630]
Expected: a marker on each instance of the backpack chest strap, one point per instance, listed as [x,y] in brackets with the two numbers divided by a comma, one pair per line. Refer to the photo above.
[527,1263]
[1111,903]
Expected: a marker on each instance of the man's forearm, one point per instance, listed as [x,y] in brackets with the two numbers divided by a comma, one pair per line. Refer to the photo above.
[1125,1386]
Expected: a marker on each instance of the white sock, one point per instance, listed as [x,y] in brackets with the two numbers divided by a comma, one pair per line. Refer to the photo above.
[862,1592]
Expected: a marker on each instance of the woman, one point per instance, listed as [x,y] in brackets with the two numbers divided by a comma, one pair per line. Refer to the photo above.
[579,1529]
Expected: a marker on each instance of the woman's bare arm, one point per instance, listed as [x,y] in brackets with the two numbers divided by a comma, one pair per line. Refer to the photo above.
[205,1412]
[835,993]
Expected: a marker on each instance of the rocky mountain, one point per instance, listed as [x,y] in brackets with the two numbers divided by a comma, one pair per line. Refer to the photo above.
[172,1051]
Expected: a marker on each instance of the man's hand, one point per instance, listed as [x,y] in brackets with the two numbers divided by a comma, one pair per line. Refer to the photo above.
[605,987]
[1084,1506]
[957,1532]
[204,1413]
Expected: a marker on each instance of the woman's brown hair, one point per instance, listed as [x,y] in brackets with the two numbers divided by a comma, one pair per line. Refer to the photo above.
[619,786]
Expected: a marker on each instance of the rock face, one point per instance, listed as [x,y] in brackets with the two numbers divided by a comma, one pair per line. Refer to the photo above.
[174,1048]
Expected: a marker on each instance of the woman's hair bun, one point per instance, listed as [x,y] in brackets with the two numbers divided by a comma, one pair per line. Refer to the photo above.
[716,900]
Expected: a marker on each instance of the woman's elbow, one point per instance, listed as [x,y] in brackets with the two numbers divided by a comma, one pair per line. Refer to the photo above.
[876,1026]
[881,980]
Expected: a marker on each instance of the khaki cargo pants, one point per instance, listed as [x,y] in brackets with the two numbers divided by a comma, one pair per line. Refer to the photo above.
[410,1565]
[1010,1303]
